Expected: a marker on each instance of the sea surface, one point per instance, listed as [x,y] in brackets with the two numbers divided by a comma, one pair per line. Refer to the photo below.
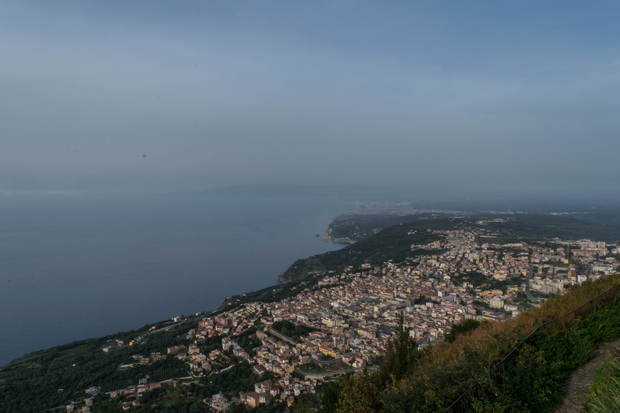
[74,266]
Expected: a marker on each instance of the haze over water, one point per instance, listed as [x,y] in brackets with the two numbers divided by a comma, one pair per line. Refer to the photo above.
[78,266]
[470,100]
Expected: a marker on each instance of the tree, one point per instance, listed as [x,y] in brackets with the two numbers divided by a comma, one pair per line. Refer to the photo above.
[360,393]
[402,352]
[463,327]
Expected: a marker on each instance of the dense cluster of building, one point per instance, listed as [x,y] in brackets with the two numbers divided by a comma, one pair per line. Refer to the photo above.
[351,316]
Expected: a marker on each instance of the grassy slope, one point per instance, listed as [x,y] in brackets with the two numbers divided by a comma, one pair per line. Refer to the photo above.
[605,393]
[532,378]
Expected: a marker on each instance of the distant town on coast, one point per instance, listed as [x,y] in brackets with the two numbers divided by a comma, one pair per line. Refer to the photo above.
[332,315]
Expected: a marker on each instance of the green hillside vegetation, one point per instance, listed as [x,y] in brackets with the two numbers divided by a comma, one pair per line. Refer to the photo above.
[525,227]
[605,393]
[518,227]
[356,227]
[393,243]
[54,376]
[290,330]
[269,294]
[519,365]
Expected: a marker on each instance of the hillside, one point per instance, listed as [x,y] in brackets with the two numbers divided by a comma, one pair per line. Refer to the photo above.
[519,365]
[393,243]
[384,304]
[380,238]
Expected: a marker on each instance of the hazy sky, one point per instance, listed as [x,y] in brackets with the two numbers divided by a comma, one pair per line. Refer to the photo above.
[192,94]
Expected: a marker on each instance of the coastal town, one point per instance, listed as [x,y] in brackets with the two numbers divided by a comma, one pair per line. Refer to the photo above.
[344,321]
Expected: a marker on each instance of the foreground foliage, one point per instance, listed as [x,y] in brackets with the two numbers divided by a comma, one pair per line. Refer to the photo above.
[494,368]
[605,393]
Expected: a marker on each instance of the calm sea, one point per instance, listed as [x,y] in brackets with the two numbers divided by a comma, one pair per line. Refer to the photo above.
[79,266]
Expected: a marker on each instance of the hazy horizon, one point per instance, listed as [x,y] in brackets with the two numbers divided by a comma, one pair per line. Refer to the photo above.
[452,99]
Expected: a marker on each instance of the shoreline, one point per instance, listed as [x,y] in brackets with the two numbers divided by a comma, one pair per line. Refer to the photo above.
[146,259]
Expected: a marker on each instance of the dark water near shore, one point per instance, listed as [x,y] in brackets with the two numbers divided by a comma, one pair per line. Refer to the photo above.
[78,266]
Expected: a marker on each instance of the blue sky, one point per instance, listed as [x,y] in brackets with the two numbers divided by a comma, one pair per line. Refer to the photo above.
[483,95]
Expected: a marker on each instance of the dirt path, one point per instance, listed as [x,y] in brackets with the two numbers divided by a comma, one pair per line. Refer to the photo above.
[581,380]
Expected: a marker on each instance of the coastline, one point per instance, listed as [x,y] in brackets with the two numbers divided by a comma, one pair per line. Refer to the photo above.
[327,236]
[79,267]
